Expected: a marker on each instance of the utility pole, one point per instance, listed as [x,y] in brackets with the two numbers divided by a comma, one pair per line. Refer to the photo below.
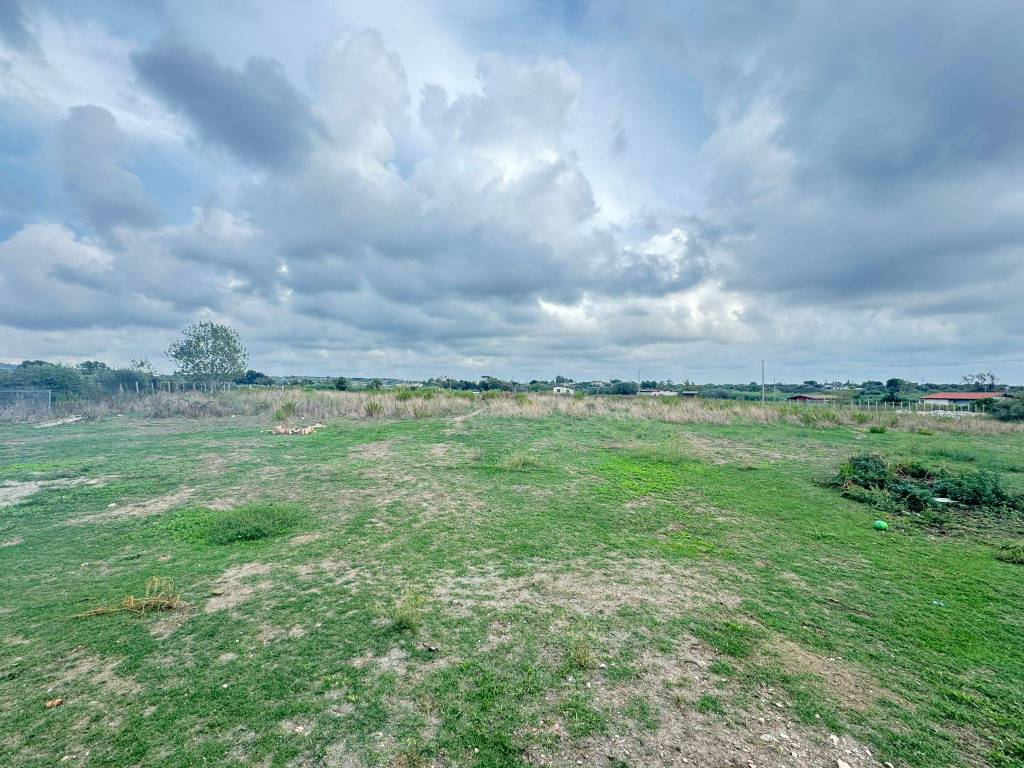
[762,382]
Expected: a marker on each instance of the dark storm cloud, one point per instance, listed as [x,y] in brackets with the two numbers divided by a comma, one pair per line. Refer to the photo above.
[92,150]
[256,112]
[676,182]
[864,151]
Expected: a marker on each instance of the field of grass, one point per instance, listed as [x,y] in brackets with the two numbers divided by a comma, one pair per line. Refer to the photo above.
[482,587]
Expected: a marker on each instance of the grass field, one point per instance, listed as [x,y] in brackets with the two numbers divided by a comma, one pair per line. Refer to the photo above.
[479,589]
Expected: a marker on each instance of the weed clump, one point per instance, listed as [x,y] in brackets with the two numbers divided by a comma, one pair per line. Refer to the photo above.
[1011,553]
[158,595]
[250,522]
[935,497]
[407,614]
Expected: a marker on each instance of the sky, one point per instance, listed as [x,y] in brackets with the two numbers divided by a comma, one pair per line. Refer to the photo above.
[675,190]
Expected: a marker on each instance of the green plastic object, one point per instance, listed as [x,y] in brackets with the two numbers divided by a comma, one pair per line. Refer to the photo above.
[881,525]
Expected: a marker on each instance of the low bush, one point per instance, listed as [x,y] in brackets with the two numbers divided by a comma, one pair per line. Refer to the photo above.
[1007,408]
[286,410]
[908,487]
[250,522]
[1011,553]
[876,429]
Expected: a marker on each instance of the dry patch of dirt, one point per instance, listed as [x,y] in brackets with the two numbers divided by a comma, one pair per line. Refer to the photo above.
[304,538]
[392,661]
[154,506]
[339,572]
[235,586]
[588,588]
[671,684]
[82,667]
[170,623]
[451,455]
[377,451]
[852,687]
[13,491]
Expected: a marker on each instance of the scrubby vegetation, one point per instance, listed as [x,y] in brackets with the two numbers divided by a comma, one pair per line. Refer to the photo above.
[483,583]
[935,497]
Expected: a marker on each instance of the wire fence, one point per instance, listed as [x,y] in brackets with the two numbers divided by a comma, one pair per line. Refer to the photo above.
[24,404]
[910,406]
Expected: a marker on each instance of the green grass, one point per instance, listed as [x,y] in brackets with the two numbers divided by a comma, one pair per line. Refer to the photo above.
[537,586]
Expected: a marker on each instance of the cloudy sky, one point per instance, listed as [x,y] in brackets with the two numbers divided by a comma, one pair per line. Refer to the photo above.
[518,189]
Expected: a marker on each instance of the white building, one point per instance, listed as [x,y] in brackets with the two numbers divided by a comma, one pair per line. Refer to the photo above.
[563,390]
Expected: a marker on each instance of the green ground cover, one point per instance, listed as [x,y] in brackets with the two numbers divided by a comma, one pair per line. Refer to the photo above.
[497,592]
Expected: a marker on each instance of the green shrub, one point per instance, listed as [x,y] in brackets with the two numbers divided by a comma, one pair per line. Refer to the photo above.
[860,417]
[286,410]
[905,486]
[868,470]
[250,522]
[522,399]
[1007,408]
[374,408]
[975,489]
[876,429]
[1011,553]
[404,394]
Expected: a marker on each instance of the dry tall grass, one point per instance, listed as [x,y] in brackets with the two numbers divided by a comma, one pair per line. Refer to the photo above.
[294,406]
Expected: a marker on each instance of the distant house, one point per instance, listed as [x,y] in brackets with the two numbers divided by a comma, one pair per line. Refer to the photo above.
[563,390]
[959,398]
[659,392]
[811,399]
[689,393]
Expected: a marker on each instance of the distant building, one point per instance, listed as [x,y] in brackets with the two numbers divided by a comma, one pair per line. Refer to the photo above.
[659,392]
[811,399]
[689,393]
[563,390]
[959,398]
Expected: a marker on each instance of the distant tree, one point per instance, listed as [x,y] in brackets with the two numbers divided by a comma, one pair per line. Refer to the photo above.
[375,384]
[256,378]
[648,384]
[209,352]
[142,365]
[893,386]
[560,380]
[1006,408]
[90,367]
[623,388]
[986,382]
[342,384]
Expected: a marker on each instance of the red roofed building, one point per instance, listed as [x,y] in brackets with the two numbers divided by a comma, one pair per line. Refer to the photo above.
[959,398]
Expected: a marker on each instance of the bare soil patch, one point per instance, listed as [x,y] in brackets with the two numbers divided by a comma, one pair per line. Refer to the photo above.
[235,586]
[13,491]
[588,588]
[670,685]
[154,506]
[853,687]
